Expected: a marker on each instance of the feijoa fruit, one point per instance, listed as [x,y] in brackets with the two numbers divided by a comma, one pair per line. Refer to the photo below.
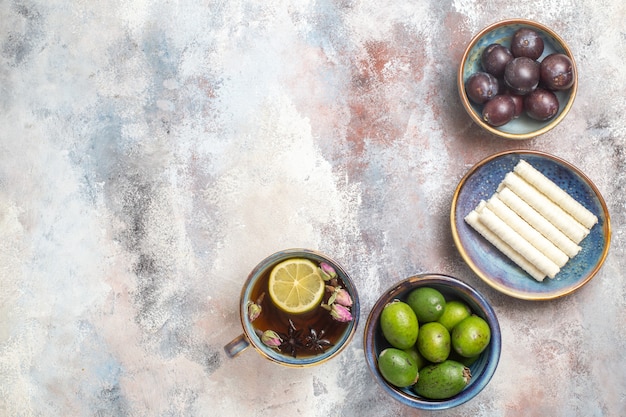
[399,324]
[454,313]
[442,380]
[427,303]
[471,336]
[433,342]
[397,367]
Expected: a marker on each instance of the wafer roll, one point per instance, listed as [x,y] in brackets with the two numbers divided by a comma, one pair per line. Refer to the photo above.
[525,230]
[509,252]
[517,242]
[546,207]
[537,221]
[555,193]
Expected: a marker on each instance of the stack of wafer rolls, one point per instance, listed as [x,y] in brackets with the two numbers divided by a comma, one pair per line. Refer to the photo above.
[533,221]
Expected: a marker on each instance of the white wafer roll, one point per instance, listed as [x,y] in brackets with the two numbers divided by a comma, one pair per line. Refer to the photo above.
[517,242]
[556,194]
[509,252]
[546,207]
[538,222]
[525,230]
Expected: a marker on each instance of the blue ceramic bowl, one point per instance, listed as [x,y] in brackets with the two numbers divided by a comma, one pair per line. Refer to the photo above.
[501,32]
[453,289]
[496,269]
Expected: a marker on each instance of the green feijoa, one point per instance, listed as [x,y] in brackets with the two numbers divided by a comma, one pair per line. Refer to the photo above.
[417,356]
[399,324]
[397,367]
[461,359]
[442,380]
[469,361]
[454,312]
[433,342]
[427,303]
[471,336]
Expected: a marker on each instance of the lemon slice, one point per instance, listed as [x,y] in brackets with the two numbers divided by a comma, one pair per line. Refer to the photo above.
[296,286]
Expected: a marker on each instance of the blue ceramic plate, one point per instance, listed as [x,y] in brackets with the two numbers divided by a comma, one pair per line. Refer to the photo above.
[495,268]
[501,32]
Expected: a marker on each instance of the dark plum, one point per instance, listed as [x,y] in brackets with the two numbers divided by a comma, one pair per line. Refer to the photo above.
[494,58]
[481,86]
[502,88]
[519,104]
[557,72]
[499,110]
[522,75]
[541,104]
[526,42]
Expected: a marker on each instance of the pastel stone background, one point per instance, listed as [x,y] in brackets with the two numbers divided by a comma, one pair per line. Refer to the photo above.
[153,151]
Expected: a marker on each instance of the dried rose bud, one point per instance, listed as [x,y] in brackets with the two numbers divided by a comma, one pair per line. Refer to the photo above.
[271,338]
[343,297]
[339,295]
[328,272]
[340,313]
[254,311]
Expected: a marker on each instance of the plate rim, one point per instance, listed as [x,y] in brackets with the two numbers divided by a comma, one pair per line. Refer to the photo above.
[507,290]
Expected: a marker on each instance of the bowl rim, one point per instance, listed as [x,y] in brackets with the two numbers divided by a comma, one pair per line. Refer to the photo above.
[471,390]
[478,271]
[465,99]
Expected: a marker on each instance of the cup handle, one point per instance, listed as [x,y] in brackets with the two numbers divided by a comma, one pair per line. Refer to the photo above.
[236,346]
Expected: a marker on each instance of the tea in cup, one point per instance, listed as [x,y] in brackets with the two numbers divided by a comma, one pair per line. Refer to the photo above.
[298,308]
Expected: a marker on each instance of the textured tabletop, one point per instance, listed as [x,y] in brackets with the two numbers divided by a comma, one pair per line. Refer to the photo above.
[153,152]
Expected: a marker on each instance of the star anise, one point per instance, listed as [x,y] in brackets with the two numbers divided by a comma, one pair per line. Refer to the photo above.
[315,341]
[292,341]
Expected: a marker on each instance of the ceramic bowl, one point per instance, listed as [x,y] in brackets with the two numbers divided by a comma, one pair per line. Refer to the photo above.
[453,289]
[482,180]
[501,32]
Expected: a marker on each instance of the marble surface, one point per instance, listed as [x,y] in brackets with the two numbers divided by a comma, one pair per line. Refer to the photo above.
[153,151]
